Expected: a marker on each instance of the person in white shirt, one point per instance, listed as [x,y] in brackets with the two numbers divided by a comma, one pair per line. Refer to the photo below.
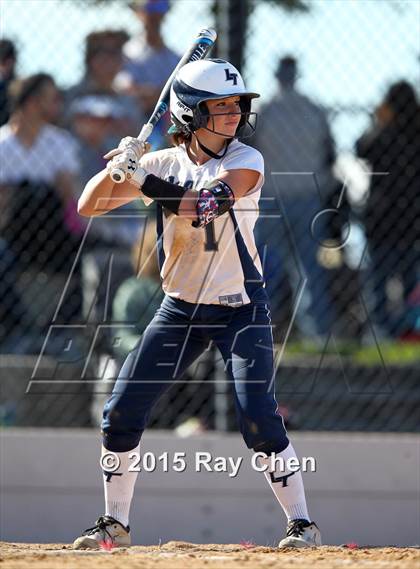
[38,189]
[32,148]
[206,189]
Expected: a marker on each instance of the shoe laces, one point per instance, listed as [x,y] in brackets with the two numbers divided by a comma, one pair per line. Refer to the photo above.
[295,528]
[101,524]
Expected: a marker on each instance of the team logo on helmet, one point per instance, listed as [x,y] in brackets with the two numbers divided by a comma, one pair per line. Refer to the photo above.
[231,76]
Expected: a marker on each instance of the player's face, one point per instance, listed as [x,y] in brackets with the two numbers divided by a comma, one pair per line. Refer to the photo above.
[225,115]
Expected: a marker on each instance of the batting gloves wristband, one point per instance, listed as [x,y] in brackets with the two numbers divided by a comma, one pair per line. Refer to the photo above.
[138,178]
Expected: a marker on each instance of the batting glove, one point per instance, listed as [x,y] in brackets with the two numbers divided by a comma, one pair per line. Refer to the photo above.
[129,144]
[128,163]
[125,161]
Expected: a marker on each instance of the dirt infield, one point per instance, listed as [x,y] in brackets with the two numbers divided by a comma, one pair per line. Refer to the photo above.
[181,555]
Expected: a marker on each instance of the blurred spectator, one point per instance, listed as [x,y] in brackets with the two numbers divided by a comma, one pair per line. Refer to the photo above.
[150,62]
[410,325]
[40,226]
[93,119]
[12,307]
[392,214]
[295,140]
[7,74]
[103,61]
[138,297]
[134,304]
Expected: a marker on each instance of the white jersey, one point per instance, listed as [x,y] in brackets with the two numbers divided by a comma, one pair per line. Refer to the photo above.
[217,264]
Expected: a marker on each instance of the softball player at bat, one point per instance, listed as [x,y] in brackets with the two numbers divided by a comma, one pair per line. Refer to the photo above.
[207,189]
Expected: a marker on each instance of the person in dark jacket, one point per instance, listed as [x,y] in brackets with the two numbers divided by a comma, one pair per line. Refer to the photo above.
[8,59]
[392,213]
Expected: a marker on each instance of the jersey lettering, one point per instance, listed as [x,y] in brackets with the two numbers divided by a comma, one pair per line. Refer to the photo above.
[213,265]
[210,243]
[188,184]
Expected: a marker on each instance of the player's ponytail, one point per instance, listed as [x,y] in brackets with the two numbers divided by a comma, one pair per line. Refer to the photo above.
[178,138]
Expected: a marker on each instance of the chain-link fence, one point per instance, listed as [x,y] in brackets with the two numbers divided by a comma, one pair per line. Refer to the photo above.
[338,234]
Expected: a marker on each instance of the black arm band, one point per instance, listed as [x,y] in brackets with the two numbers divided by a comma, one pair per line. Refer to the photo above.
[167,194]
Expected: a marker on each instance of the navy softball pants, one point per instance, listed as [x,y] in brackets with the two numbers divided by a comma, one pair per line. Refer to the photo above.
[177,335]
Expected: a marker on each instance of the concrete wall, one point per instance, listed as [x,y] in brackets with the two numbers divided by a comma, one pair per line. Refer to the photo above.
[365,489]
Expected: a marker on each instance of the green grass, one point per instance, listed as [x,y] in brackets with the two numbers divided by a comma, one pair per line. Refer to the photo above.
[391,353]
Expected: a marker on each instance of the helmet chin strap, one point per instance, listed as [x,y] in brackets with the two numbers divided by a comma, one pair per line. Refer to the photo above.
[210,152]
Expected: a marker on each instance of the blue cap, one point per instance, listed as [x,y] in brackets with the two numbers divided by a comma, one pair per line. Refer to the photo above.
[151,6]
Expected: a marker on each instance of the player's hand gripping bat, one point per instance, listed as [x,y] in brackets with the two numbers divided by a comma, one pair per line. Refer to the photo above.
[198,50]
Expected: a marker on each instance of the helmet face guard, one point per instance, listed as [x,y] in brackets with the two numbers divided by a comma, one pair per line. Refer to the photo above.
[208,80]
[245,129]
[201,118]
